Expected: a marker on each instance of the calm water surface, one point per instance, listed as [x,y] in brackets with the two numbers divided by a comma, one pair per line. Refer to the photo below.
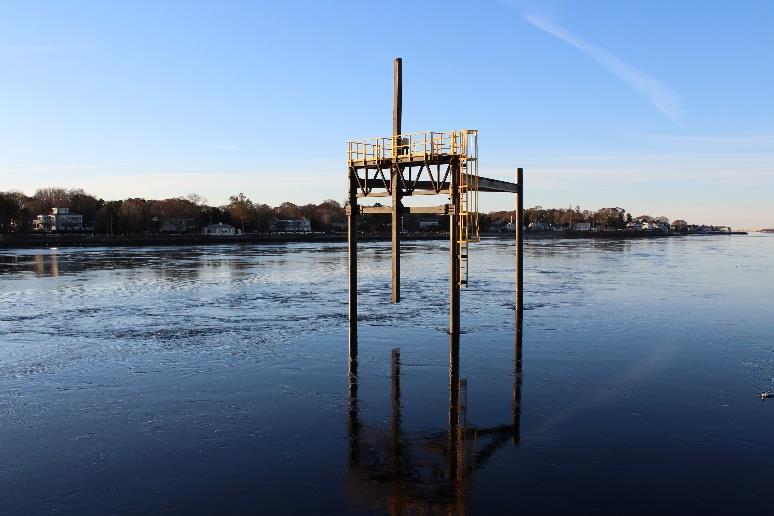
[217,379]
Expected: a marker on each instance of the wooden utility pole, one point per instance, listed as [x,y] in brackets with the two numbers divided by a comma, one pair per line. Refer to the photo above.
[454,249]
[395,183]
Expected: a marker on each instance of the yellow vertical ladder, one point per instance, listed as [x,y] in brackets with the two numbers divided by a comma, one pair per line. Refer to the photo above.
[463,218]
[467,218]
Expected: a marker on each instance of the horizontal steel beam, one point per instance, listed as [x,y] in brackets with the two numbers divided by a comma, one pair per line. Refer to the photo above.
[442,209]
[495,185]
[485,184]
[383,193]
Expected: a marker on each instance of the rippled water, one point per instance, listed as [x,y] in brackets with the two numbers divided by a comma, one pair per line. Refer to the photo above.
[217,379]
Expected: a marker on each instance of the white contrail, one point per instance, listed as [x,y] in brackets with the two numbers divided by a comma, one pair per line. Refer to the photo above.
[658,94]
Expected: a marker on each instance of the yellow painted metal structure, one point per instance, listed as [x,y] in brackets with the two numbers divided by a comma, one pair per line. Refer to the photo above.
[437,155]
[411,164]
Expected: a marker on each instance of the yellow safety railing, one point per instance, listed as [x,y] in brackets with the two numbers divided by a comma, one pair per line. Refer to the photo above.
[424,146]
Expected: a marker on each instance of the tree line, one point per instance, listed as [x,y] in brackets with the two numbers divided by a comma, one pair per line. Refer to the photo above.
[607,218]
[136,215]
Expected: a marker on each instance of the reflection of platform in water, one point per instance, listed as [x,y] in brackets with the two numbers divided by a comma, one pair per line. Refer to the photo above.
[429,472]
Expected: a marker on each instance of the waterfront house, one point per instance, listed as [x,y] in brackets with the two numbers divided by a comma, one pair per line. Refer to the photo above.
[496,226]
[290,226]
[60,220]
[339,227]
[219,229]
[177,225]
[427,225]
[539,226]
[581,226]
[44,224]
[510,227]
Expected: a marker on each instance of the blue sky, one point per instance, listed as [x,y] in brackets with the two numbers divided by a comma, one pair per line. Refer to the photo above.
[660,107]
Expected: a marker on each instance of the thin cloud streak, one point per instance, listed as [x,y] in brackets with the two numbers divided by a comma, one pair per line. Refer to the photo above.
[657,93]
[766,141]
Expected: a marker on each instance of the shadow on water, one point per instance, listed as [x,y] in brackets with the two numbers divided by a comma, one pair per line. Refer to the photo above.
[402,472]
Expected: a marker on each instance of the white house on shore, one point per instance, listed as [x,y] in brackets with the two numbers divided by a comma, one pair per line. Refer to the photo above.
[539,226]
[581,226]
[219,229]
[60,220]
[290,226]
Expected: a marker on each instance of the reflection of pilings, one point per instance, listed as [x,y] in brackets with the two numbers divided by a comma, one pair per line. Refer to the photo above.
[454,407]
[353,417]
[396,423]
[517,377]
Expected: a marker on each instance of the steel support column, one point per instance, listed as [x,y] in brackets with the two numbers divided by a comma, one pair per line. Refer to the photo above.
[519,244]
[454,250]
[352,256]
[397,112]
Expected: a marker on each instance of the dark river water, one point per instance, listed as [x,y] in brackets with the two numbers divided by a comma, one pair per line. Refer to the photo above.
[218,380]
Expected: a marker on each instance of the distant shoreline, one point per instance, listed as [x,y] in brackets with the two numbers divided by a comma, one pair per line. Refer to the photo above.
[49,241]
